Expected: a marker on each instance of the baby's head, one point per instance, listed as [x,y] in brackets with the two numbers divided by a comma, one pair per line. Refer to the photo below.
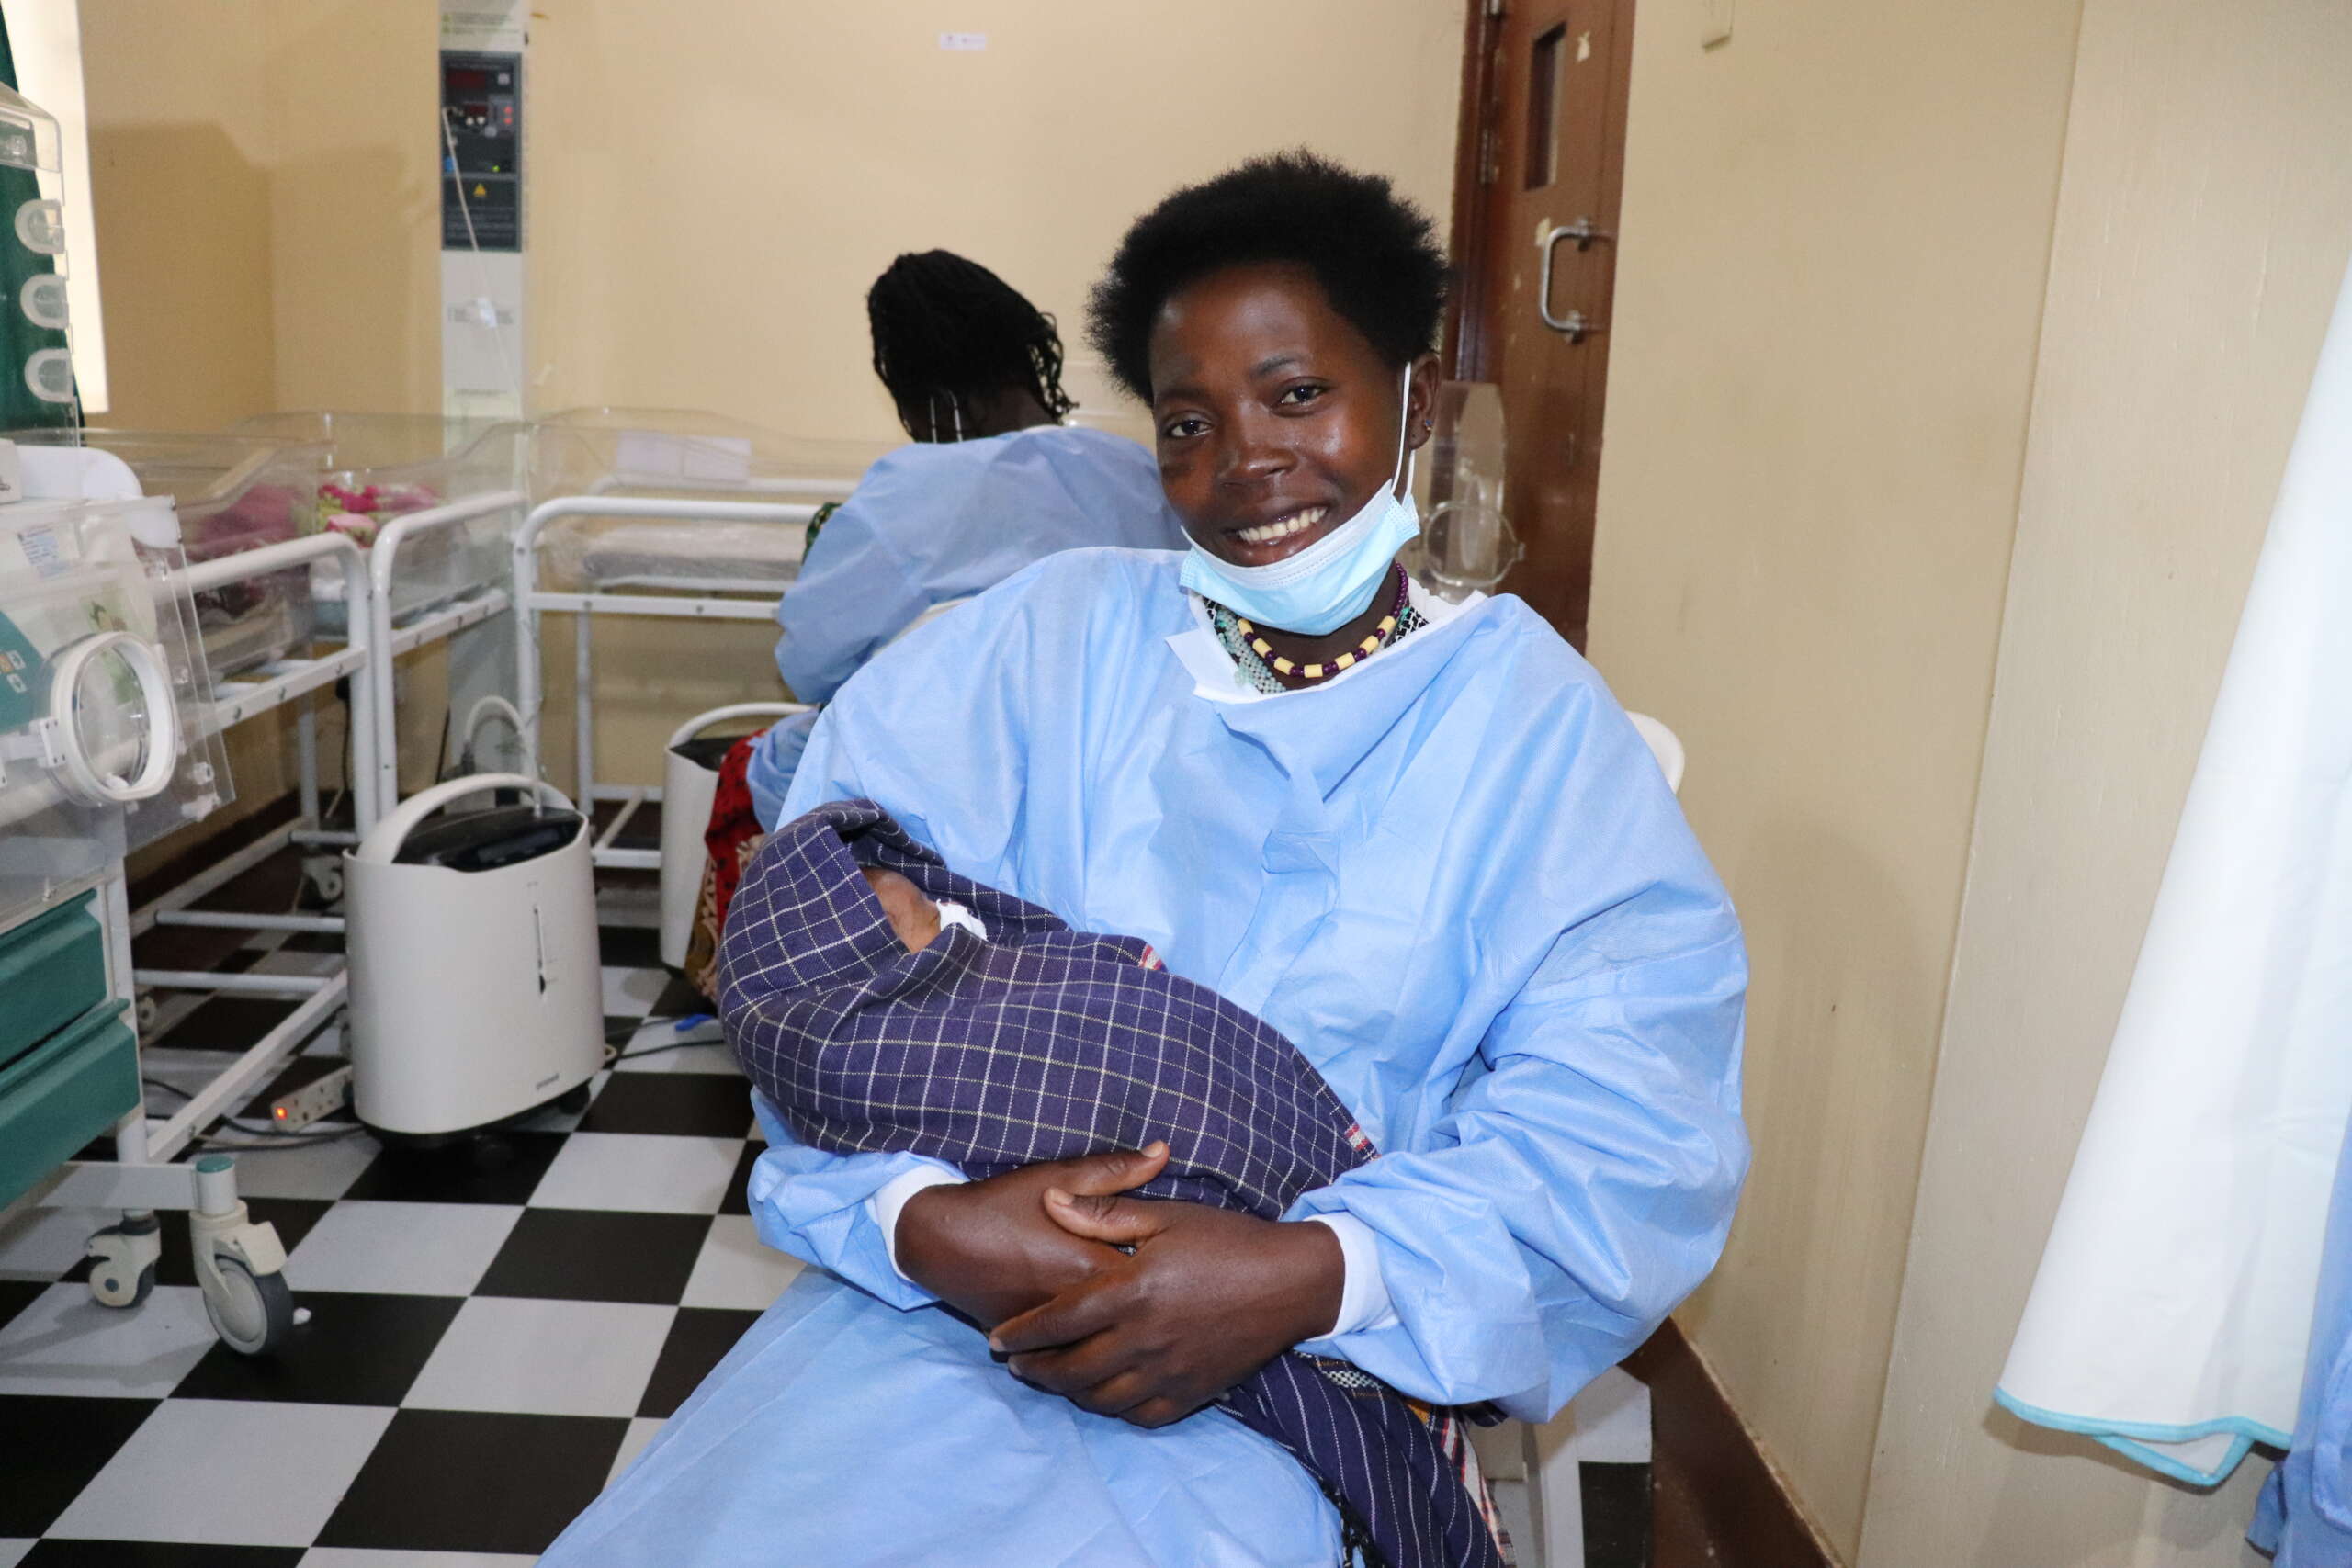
[914,917]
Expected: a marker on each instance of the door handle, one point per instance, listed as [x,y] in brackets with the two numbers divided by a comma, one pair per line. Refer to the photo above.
[1572,326]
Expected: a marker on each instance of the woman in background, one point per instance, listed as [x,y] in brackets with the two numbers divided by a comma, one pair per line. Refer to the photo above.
[990,484]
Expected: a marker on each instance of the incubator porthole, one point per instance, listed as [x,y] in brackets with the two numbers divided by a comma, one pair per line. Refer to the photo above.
[43,301]
[50,376]
[40,226]
[110,719]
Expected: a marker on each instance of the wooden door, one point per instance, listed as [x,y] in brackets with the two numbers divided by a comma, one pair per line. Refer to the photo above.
[1537,178]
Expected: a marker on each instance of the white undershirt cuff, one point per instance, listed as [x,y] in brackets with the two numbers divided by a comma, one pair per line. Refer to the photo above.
[885,1205]
[1363,1294]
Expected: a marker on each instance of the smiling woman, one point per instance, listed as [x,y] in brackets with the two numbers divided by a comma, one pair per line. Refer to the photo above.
[1418,840]
[1288,377]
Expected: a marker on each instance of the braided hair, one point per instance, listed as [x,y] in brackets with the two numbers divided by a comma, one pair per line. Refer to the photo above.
[944,325]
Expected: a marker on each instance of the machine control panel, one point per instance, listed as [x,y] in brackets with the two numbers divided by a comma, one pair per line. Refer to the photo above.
[481,151]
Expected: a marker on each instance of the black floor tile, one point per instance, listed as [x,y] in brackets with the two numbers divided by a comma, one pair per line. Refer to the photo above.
[189,947]
[699,1339]
[737,1200]
[1616,1500]
[157,1555]
[50,1448]
[495,1167]
[629,947]
[227,1023]
[680,999]
[356,1350]
[691,1105]
[16,1295]
[595,1255]
[314,942]
[472,1481]
[292,1216]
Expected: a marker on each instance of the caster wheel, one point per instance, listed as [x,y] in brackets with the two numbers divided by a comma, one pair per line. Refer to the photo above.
[250,1312]
[327,882]
[573,1100]
[146,1011]
[109,1289]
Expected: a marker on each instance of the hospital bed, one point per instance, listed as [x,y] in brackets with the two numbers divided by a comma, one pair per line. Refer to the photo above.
[659,513]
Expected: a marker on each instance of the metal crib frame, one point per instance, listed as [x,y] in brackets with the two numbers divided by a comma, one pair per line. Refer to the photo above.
[532,601]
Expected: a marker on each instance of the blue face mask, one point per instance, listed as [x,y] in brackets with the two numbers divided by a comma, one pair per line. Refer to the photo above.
[1331,581]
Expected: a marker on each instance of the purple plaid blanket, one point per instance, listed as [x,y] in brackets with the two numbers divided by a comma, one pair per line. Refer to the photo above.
[1045,1043]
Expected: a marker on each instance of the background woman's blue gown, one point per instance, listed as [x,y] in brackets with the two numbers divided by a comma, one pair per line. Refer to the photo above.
[1453,878]
[936,521]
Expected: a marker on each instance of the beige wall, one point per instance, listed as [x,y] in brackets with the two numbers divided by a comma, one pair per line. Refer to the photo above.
[181,148]
[707,204]
[2202,231]
[1834,237]
[709,209]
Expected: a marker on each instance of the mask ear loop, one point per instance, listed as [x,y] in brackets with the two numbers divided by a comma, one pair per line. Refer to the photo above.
[1400,478]
[930,402]
[955,412]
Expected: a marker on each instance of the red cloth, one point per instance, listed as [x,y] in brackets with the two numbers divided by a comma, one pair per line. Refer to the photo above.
[733,823]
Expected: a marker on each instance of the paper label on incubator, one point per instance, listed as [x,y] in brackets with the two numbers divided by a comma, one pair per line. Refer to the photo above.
[42,551]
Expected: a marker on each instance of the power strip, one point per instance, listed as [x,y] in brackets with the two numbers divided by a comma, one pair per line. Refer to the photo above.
[320,1097]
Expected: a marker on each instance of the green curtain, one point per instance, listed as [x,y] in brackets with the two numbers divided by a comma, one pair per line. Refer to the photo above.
[19,338]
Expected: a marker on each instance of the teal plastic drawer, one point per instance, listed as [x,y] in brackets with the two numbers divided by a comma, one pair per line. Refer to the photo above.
[63,1093]
[52,970]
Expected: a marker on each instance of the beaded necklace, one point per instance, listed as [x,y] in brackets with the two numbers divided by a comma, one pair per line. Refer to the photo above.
[1257,662]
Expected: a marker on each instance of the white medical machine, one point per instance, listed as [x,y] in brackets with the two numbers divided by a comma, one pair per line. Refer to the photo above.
[689,789]
[476,990]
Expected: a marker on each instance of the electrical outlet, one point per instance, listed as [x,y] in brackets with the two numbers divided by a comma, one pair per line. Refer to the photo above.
[320,1097]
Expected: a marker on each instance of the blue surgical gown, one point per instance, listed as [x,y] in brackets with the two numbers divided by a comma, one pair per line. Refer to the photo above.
[2304,1518]
[934,523]
[1454,877]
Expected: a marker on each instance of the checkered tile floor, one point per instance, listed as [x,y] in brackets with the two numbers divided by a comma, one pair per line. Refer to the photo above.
[493,1330]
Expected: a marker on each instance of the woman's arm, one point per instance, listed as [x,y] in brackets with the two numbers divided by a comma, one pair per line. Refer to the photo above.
[1581,1184]
[1577,1190]
[854,593]
[987,1248]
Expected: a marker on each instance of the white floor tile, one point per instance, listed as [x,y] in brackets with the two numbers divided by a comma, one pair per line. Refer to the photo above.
[306,1170]
[41,1244]
[736,1268]
[550,1357]
[417,1249]
[631,993]
[640,1172]
[251,1472]
[67,1343]
[369,1557]
[641,1432]
[671,1053]
[13,1552]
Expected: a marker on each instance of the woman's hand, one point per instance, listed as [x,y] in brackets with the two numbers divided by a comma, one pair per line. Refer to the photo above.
[990,1250]
[1207,1297]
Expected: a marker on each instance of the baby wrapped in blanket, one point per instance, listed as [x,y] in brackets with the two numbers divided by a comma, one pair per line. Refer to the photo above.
[880,1002]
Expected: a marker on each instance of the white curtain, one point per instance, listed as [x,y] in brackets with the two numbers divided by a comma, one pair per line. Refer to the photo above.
[2174,1302]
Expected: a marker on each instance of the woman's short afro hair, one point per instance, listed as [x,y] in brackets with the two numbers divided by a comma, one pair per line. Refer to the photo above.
[1374,253]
